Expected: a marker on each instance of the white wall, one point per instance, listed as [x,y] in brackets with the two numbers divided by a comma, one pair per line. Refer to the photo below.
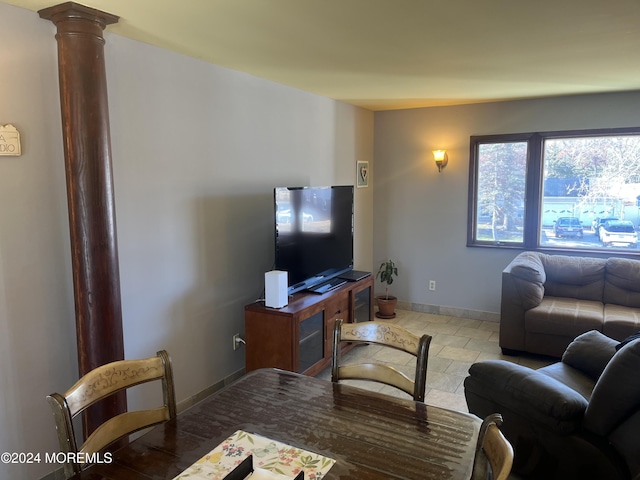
[421,215]
[37,333]
[197,150]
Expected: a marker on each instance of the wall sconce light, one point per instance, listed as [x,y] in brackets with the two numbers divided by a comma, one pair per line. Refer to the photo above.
[441,158]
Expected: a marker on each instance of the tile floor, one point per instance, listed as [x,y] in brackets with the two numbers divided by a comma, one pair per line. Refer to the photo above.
[456,344]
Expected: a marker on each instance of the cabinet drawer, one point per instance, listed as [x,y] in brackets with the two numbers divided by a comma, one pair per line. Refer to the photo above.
[338,307]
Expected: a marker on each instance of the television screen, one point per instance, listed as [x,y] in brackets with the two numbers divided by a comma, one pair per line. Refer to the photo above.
[313,233]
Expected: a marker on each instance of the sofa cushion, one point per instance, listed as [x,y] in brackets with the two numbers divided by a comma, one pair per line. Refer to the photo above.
[564,317]
[622,282]
[617,393]
[620,321]
[590,353]
[574,277]
[573,378]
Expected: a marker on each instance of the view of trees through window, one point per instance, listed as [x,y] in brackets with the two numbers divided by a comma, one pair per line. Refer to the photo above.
[578,192]
[501,191]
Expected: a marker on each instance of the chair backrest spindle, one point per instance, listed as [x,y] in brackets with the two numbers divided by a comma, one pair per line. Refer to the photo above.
[103,382]
[388,335]
[493,451]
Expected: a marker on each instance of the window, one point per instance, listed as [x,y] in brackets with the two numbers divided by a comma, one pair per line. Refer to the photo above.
[555,190]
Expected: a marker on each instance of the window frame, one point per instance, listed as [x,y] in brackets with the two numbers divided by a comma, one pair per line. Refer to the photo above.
[533,186]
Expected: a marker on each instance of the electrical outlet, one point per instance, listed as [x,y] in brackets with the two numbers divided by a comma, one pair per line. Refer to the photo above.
[432,285]
[236,341]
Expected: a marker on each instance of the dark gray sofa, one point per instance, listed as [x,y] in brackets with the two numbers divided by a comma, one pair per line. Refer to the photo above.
[548,300]
[575,419]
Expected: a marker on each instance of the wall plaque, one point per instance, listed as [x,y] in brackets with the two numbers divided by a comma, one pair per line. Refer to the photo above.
[9,141]
[362,174]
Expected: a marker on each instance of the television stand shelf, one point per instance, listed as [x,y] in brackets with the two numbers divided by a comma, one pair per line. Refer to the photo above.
[299,337]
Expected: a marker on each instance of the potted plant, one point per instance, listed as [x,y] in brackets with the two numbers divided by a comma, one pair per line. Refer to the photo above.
[386,302]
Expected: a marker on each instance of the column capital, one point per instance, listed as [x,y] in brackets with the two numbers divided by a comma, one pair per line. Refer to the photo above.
[75,11]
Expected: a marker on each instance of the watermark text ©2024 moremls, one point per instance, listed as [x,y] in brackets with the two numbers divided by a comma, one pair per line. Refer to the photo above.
[55,457]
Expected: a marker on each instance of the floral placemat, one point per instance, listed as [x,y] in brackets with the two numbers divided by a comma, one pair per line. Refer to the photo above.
[268,454]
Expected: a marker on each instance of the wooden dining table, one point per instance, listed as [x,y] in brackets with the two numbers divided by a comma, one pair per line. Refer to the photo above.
[371,436]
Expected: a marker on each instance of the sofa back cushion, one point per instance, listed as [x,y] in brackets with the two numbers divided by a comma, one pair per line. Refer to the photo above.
[574,277]
[616,395]
[622,282]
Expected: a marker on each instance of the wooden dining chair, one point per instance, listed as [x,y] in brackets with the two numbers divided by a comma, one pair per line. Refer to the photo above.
[388,335]
[494,454]
[99,384]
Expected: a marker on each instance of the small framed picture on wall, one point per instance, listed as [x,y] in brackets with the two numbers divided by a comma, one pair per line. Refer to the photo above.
[362,172]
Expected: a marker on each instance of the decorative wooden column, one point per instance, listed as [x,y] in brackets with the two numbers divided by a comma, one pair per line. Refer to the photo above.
[87,150]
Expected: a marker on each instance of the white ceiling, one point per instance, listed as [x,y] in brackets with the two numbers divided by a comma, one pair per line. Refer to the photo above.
[392,54]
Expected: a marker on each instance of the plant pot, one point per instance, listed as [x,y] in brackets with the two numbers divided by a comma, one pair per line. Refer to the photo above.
[386,306]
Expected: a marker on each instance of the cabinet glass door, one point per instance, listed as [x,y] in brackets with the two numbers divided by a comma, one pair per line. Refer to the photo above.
[361,305]
[311,341]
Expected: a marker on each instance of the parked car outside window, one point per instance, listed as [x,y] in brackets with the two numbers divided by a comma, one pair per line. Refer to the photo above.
[618,232]
[599,222]
[568,227]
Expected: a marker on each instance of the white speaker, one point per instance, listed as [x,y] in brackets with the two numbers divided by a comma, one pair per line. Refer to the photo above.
[275,286]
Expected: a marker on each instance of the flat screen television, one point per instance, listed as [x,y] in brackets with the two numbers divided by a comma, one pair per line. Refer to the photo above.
[313,234]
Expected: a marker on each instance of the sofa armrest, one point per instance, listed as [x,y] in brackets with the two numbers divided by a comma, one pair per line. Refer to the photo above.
[590,353]
[532,395]
[527,274]
[522,289]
